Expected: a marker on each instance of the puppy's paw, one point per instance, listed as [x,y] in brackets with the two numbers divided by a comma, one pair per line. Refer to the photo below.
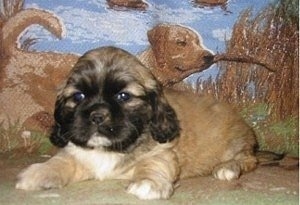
[227,171]
[148,189]
[38,177]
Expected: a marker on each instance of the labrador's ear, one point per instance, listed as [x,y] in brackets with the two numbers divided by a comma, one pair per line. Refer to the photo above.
[60,136]
[164,125]
[158,40]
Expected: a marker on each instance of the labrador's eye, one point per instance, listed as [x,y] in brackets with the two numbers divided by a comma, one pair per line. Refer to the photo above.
[78,97]
[123,96]
[181,43]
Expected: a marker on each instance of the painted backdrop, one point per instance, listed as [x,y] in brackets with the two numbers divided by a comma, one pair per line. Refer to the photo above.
[242,52]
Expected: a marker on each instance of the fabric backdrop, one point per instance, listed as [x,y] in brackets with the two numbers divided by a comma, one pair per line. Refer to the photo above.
[40,41]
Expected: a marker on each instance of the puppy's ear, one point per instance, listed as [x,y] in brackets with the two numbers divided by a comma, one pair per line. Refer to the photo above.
[164,125]
[59,136]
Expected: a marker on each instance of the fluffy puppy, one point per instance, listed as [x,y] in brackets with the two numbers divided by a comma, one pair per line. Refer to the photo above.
[114,121]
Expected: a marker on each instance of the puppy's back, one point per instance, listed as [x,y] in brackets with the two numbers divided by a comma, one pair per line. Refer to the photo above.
[211,133]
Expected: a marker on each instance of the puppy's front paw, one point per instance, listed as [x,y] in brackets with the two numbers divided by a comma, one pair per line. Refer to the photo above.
[148,189]
[38,177]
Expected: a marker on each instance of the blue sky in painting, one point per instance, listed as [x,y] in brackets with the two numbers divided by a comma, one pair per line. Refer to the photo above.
[90,23]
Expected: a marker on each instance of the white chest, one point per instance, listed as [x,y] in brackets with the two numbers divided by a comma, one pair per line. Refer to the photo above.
[102,164]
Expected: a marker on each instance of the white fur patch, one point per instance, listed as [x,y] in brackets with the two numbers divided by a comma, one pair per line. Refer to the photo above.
[101,163]
[144,190]
[98,141]
[226,174]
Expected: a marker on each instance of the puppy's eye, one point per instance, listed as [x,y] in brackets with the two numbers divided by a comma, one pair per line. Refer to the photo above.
[123,96]
[78,97]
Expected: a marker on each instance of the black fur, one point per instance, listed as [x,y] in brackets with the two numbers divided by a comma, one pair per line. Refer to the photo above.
[122,125]
[164,125]
[63,116]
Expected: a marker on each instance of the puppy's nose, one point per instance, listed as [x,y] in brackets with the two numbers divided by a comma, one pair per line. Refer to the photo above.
[99,117]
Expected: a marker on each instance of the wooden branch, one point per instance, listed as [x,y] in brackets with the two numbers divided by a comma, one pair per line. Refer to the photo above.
[218,57]
[240,59]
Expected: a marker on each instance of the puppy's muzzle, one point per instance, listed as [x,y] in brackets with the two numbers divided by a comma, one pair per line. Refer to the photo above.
[99,117]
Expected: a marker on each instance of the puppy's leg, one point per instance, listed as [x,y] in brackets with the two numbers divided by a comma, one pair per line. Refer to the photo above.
[154,177]
[57,172]
[243,162]
[227,171]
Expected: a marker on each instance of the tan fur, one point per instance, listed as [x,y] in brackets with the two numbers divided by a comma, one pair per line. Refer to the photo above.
[213,137]
[212,133]
[214,140]
[152,164]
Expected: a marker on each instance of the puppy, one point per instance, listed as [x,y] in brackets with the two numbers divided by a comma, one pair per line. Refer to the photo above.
[114,121]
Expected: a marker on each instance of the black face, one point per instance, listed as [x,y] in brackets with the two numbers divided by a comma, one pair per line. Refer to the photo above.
[111,109]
